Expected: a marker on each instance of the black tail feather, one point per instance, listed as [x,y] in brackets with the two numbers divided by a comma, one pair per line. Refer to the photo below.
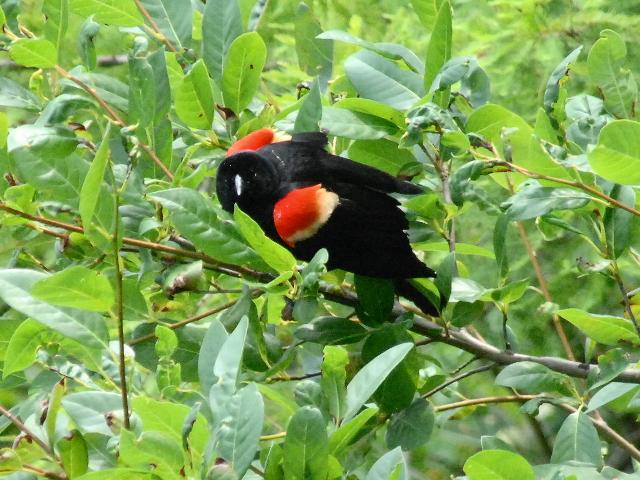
[405,289]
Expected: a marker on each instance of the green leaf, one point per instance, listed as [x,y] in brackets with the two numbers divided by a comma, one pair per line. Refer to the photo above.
[44,158]
[57,14]
[315,55]
[533,377]
[391,466]
[77,287]
[197,220]
[332,381]
[167,341]
[382,80]
[392,51]
[110,12]
[577,440]
[92,182]
[227,365]
[504,128]
[53,409]
[439,50]
[169,418]
[369,378]
[608,394]
[74,454]
[557,79]
[604,329]
[23,346]
[152,448]
[242,68]
[411,428]
[606,68]
[444,279]
[508,293]
[427,10]
[619,223]
[86,43]
[195,99]
[331,331]
[275,255]
[173,18]
[340,122]
[88,409]
[239,433]
[310,113]
[371,107]
[12,95]
[32,52]
[209,349]
[86,327]
[616,157]
[533,201]
[376,297]
[384,155]
[340,439]
[306,447]
[221,24]
[498,465]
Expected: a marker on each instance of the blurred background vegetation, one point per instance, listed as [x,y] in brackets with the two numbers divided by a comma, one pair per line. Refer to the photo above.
[518,43]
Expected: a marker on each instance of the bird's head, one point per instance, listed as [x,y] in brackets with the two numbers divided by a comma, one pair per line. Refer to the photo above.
[246,179]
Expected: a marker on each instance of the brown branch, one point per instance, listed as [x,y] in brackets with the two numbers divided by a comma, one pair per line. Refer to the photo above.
[458,338]
[571,183]
[533,257]
[24,429]
[120,316]
[195,318]
[453,380]
[484,401]
[156,29]
[115,117]
[44,473]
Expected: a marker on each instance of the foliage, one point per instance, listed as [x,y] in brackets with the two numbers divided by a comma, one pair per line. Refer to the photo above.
[146,333]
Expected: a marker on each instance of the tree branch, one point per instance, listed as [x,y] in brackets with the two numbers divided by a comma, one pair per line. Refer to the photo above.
[458,338]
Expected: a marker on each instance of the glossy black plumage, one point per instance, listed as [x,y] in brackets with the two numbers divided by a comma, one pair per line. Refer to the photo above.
[365,233]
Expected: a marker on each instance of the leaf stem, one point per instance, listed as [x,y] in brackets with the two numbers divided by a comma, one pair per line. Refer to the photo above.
[457,378]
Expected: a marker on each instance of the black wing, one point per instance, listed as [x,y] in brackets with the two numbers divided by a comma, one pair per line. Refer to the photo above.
[365,235]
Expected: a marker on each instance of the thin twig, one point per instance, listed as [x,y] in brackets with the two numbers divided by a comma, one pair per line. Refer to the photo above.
[571,183]
[293,378]
[24,429]
[484,401]
[115,117]
[273,436]
[195,318]
[625,298]
[120,315]
[533,257]
[453,380]
[44,473]
[154,26]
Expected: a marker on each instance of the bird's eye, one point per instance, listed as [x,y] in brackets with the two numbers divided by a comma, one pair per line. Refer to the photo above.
[238,183]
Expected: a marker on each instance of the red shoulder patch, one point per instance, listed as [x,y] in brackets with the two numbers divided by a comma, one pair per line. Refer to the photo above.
[302,212]
[253,141]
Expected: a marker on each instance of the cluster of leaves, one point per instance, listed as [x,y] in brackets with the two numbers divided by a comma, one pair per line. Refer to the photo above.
[148,334]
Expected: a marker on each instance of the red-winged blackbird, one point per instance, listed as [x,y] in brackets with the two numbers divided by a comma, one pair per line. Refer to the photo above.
[306,199]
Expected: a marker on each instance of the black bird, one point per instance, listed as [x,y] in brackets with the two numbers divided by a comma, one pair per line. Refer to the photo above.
[306,199]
